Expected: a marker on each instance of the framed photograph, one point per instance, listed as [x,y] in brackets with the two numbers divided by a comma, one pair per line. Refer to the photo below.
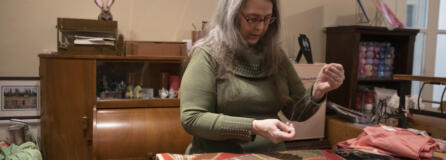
[19,97]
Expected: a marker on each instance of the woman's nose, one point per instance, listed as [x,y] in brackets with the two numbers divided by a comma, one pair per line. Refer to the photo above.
[260,26]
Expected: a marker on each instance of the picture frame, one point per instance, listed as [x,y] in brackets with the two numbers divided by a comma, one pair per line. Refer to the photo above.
[19,97]
[364,13]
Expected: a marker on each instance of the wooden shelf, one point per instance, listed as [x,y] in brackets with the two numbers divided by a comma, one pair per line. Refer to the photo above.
[420,78]
[343,47]
[372,30]
[176,59]
[137,103]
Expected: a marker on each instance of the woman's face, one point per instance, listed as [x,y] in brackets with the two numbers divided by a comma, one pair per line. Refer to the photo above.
[254,20]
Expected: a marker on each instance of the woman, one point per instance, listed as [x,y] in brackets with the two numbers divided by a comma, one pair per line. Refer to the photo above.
[238,79]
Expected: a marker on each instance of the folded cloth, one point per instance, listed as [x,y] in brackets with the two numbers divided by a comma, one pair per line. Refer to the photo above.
[393,141]
[442,145]
[26,151]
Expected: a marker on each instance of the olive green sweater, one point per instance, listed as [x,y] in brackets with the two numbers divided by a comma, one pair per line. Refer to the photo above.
[218,111]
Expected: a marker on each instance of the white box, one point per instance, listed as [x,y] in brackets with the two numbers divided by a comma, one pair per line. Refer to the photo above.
[314,127]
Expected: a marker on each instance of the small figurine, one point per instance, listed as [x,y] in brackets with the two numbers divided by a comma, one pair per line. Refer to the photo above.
[129,92]
[163,93]
[105,6]
[172,93]
[137,92]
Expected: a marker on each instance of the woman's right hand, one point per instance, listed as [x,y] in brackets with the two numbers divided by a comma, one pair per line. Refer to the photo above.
[273,130]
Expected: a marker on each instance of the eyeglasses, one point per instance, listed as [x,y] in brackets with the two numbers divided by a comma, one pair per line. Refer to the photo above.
[251,19]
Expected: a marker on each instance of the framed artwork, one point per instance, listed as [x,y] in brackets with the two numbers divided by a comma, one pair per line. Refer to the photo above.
[19,97]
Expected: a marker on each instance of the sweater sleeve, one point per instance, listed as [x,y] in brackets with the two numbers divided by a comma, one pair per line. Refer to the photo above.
[199,102]
[302,106]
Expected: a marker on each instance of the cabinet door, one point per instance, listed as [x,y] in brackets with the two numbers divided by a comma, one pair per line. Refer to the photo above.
[138,132]
[68,94]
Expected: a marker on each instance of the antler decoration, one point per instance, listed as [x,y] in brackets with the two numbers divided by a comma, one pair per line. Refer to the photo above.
[105,6]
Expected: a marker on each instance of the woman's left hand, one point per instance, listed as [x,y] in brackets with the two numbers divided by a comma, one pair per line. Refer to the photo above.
[330,77]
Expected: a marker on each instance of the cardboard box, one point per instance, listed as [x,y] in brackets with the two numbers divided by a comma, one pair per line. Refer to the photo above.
[155,49]
[314,127]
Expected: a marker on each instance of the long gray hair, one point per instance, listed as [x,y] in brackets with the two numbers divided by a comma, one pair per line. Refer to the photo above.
[226,42]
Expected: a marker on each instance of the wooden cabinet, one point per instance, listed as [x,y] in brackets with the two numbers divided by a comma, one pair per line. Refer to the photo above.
[343,47]
[76,123]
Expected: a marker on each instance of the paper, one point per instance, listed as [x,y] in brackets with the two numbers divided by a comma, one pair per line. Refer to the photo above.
[87,40]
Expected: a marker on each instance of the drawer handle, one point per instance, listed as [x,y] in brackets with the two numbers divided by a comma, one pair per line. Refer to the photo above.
[85,123]
[85,130]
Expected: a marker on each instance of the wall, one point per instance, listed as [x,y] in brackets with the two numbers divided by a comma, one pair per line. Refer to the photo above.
[28,26]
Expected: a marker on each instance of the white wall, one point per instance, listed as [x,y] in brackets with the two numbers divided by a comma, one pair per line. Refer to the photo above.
[28,26]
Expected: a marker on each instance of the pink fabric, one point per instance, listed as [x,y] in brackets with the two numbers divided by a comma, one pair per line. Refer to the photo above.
[393,141]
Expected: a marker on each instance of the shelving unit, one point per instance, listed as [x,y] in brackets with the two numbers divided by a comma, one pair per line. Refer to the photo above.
[78,124]
[343,47]
[131,103]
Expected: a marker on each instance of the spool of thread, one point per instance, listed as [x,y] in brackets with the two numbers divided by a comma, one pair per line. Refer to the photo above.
[165,80]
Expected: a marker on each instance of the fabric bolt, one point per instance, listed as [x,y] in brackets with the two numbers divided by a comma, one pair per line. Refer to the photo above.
[218,110]
[26,151]
[393,141]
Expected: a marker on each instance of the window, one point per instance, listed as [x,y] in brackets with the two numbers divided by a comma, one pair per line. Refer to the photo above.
[417,14]
[417,18]
[430,49]
[442,15]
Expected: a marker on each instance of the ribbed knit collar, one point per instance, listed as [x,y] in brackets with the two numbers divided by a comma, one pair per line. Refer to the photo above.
[250,65]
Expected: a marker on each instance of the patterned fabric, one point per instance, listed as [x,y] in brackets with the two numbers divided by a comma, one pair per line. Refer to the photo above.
[214,156]
[310,155]
[26,151]
[287,155]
